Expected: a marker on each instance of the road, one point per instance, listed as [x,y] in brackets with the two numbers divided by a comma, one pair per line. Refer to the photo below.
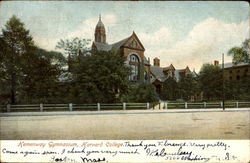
[146,124]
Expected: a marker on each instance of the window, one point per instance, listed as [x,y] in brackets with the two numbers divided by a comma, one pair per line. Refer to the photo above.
[134,73]
[238,77]
[230,71]
[134,66]
[230,78]
[133,58]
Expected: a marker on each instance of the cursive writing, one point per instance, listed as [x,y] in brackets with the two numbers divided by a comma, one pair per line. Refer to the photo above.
[84,159]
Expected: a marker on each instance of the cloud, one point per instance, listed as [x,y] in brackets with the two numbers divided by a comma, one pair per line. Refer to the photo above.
[204,43]
[159,38]
[84,30]
[46,43]
[87,28]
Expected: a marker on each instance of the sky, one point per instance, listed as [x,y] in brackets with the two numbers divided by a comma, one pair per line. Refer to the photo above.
[182,33]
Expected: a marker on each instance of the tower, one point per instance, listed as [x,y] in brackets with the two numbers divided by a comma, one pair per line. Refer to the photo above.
[100,34]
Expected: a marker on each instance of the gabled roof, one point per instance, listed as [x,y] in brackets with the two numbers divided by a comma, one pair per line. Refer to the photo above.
[137,39]
[178,71]
[158,73]
[117,45]
[170,67]
[185,69]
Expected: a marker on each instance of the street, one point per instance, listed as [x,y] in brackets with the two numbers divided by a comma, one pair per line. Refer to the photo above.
[145,124]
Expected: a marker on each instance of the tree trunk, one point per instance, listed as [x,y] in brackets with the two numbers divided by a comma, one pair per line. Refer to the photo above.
[13,88]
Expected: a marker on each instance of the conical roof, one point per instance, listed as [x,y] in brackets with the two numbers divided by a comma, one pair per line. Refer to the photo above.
[100,24]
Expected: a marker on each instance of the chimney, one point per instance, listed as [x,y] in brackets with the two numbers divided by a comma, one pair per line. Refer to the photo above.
[216,63]
[157,62]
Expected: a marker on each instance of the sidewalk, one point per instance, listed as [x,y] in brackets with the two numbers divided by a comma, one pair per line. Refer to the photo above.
[107,112]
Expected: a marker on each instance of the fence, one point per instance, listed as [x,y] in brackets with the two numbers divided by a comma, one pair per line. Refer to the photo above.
[120,106]
[75,107]
[200,105]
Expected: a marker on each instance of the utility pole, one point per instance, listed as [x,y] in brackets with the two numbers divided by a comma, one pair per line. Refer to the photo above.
[223,83]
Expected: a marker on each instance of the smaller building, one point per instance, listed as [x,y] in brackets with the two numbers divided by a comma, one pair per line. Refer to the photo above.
[158,75]
[235,72]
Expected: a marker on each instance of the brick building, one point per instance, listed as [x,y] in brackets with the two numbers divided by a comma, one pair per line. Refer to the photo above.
[130,47]
[235,72]
[158,74]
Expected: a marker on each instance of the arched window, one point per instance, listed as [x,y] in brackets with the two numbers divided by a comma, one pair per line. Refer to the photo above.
[133,58]
[134,66]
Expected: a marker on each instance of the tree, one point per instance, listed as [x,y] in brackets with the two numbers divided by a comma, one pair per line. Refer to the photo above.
[74,47]
[141,93]
[244,93]
[241,54]
[41,75]
[29,73]
[238,89]
[210,78]
[170,89]
[188,86]
[54,58]
[16,42]
[99,77]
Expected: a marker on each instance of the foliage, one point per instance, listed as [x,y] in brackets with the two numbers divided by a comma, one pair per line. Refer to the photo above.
[16,43]
[28,72]
[141,93]
[100,77]
[241,54]
[74,47]
[210,77]
[42,71]
[170,89]
[188,86]
[238,90]
[52,57]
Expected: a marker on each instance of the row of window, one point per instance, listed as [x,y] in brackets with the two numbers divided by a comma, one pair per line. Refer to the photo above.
[245,70]
[238,77]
